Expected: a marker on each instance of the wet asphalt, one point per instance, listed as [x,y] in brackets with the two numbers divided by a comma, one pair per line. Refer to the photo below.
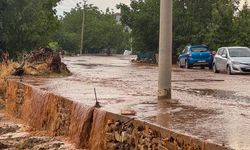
[214,107]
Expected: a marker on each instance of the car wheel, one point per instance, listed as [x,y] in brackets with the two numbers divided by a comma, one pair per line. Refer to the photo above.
[187,65]
[210,66]
[215,69]
[179,63]
[229,72]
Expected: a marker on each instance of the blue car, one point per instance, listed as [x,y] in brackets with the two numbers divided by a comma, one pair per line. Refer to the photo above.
[196,55]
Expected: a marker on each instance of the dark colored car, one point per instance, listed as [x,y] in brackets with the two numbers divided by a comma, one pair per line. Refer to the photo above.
[196,55]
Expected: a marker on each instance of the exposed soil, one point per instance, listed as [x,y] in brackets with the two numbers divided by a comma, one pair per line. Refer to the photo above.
[15,136]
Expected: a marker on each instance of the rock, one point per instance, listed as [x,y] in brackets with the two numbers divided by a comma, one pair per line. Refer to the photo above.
[114,127]
[112,146]
[3,146]
[31,142]
[119,137]
[109,122]
[110,137]
[128,112]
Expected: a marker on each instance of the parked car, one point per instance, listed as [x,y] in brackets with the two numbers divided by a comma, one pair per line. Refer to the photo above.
[196,55]
[232,60]
[127,52]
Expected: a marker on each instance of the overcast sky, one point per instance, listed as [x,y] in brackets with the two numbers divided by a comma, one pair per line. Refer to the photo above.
[66,5]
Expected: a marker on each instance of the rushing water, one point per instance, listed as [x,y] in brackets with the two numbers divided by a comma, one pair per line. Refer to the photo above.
[214,107]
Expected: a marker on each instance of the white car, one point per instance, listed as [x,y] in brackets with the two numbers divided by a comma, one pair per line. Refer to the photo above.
[232,60]
[127,52]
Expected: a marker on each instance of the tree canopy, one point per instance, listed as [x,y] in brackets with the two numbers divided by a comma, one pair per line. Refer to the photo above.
[101,30]
[212,22]
[26,24]
[143,18]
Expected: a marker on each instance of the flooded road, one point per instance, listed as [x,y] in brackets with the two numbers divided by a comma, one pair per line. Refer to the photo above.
[214,107]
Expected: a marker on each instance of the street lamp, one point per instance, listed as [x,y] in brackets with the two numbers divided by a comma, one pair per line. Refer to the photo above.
[165,50]
[83,22]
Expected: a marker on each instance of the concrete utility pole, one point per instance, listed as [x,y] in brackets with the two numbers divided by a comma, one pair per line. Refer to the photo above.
[165,50]
[83,22]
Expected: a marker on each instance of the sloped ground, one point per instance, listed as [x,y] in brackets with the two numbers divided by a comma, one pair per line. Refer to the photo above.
[5,72]
[15,136]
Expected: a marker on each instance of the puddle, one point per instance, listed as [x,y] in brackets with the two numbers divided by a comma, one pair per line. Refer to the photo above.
[93,66]
[88,66]
[220,94]
[81,60]
[198,80]
[182,118]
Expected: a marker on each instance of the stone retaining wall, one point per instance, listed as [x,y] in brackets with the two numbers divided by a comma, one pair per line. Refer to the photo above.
[89,127]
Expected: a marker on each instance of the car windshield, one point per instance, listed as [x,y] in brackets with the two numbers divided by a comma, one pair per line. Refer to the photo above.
[239,52]
[199,49]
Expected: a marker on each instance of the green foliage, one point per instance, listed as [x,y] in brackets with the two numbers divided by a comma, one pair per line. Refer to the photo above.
[54,45]
[27,23]
[190,19]
[143,19]
[212,22]
[241,27]
[222,23]
[101,31]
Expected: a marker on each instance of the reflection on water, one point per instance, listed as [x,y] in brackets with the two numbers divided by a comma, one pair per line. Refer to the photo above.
[227,131]
[203,108]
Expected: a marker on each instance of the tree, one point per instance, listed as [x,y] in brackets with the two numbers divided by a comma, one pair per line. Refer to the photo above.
[3,5]
[27,23]
[143,18]
[101,31]
[221,27]
[241,27]
[212,22]
[190,21]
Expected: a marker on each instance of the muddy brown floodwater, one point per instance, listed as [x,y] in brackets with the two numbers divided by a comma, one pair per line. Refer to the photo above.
[15,136]
[214,107]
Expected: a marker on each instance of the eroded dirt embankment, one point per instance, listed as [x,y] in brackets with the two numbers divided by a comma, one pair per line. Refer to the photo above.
[91,128]
[15,135]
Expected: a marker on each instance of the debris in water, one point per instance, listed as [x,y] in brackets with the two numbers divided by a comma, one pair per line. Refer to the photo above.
[44,61]
[19,71]
[128,112]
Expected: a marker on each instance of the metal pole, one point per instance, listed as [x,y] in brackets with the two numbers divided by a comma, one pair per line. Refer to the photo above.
[83,22]
[165,50]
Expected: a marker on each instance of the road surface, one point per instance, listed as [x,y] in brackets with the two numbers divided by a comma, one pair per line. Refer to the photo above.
[214,107]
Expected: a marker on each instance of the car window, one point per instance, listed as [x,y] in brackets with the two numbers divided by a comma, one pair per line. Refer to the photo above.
[199,49]
[220,51]
[186,49]
[239,52]
[224,52]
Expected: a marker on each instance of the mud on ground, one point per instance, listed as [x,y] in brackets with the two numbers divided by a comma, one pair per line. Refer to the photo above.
[15,136]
